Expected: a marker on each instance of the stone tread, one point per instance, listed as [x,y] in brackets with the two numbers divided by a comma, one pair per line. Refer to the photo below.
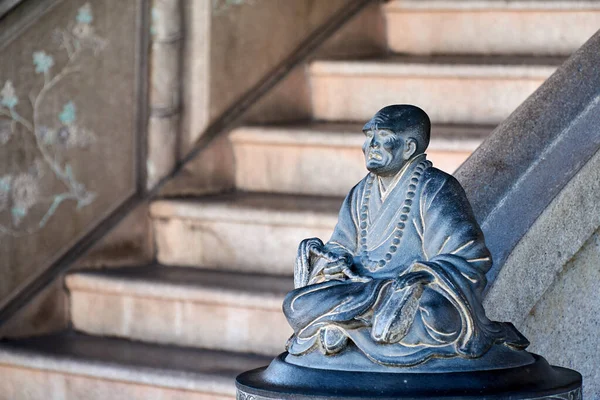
[127,361]
[188,284]
[456,66]
[441,5]
[253,207]
[340,134]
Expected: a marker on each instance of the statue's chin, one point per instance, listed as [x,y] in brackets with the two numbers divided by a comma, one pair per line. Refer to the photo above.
[381,170]
[384,167]
[376,168]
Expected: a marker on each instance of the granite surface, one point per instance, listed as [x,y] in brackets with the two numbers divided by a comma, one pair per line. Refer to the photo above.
[513,177]
[563,325]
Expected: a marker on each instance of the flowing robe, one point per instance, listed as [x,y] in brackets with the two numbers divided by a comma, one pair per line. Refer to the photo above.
[396,325]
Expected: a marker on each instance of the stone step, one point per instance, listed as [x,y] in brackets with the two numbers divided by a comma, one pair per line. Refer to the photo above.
[74,366]
[327,159]
[451,89]
[530,27]
[252,232]
[182,306]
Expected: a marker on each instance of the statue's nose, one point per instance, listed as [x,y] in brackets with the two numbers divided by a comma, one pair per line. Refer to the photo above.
[374,143]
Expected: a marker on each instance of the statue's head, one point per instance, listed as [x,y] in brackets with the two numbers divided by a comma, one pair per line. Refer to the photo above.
[394,135]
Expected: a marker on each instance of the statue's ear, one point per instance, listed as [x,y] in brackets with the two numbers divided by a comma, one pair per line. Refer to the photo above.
[410,148]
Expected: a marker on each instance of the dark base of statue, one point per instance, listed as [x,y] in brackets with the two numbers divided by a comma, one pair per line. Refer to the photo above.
[285,380]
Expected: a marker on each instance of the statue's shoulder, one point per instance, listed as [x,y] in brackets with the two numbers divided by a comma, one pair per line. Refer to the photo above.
[436,174]
[435,179]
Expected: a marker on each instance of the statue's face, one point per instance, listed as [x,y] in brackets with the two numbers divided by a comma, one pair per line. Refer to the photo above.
[386,152]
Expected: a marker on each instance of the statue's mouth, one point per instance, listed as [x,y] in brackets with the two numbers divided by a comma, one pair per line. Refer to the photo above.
[375,156]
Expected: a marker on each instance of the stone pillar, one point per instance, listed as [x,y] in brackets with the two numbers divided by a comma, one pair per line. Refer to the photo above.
[165,89]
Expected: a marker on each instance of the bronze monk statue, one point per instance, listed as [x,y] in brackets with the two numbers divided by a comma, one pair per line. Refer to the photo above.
[403,273]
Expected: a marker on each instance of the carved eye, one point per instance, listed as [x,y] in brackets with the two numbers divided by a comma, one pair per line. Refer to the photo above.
[369,134]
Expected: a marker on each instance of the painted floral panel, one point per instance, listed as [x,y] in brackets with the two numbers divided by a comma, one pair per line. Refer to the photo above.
[67,127]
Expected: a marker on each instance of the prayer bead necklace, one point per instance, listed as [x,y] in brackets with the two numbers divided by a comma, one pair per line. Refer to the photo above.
[373,265]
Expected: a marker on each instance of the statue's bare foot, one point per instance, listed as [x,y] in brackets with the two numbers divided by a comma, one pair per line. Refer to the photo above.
[333,340]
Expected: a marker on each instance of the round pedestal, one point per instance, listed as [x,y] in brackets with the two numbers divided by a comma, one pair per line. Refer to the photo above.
[282,380]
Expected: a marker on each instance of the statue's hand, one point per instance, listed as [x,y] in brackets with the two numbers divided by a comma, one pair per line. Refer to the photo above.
[336,265]
[339,266]
[333,266]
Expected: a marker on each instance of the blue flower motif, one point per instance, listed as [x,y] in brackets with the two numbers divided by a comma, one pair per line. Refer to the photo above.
[10,102]
[9,98]
[84,15]
[18,212]
[43,62]
[68,116]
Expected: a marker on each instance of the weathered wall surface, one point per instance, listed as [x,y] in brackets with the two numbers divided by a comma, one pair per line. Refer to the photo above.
[47,312]
[249,39]
[68,126]
[130,243]
[231,45]
[564,324]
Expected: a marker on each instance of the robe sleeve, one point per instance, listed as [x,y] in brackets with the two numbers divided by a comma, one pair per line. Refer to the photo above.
[449,231]
[345,235]
[458,259]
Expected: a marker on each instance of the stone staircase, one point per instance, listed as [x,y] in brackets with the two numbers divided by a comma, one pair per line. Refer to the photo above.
[211,306]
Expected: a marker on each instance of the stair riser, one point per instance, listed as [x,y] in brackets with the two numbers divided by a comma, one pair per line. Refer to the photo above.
[180,322]
[26,384]
[317,170]
[254,247]
[446,99]
[491,31]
